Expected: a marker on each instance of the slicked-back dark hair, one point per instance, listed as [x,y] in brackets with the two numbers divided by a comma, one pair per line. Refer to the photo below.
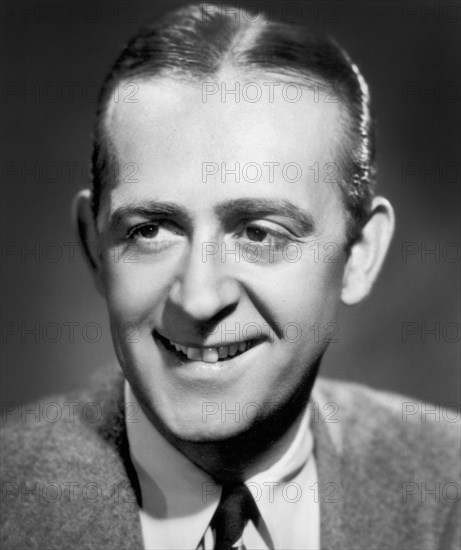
[194,44]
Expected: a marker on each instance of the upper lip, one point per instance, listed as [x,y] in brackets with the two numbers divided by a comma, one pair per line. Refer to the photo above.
[202,345]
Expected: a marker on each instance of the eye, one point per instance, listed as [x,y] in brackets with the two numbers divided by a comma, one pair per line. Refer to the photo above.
[259,233]
[148,231]
[158,234]
[256,234]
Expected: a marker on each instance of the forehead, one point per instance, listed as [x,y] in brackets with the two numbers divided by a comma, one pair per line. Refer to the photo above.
[178,139]
[234,115]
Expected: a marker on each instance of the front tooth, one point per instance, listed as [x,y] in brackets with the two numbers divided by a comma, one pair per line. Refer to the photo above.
[233,349]
[183,349]
[210,355]
[242,346]
[223,352]
[177,346]
[194,354]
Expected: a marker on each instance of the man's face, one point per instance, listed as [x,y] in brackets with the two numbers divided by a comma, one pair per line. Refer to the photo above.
[194,258]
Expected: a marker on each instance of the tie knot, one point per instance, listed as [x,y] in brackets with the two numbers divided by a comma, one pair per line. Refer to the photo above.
[236,507]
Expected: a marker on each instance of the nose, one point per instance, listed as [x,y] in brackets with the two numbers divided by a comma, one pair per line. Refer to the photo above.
[205,286]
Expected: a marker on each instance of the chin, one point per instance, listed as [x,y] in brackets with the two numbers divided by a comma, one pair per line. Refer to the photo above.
[212,431]
[188,426]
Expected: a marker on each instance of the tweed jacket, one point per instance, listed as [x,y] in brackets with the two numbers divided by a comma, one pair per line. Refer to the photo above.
[386,480]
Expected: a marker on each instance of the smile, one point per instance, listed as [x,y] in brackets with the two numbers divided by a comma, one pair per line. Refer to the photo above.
[207,354]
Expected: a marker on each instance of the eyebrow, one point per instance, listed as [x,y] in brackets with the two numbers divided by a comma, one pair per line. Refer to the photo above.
[228,211]
[150,209]
[254,208]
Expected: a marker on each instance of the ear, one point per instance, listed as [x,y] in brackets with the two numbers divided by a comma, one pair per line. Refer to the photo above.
[368,252]
[84,223]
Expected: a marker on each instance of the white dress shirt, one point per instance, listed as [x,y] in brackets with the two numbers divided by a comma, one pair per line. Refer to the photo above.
[179,498]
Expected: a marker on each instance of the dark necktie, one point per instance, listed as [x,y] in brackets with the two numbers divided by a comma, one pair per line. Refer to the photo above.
[235,509]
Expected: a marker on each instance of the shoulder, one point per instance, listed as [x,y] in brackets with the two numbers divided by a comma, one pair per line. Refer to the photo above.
[59,430]
[66,474]
[405,431]
[396,462]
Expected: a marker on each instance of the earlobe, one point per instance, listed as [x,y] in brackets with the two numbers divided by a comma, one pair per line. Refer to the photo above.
[368,253]
[84,223]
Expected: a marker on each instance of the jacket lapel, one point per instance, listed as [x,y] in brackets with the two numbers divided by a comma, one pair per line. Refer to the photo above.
[358,485]
[330,487]
[115,523]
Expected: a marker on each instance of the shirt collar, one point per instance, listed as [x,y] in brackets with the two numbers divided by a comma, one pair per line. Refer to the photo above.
[182,497]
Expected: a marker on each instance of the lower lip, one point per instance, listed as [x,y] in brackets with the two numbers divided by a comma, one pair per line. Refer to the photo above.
[223,367]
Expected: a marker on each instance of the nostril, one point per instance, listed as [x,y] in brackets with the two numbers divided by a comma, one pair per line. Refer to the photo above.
[204,297]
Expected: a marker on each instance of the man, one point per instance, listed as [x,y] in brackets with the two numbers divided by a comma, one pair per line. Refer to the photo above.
[233,208]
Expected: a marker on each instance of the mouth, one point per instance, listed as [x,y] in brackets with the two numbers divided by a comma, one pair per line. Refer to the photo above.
[206,354]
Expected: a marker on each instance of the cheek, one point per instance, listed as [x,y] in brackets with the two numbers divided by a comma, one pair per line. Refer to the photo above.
[306,292]
[308,312]
[134,291]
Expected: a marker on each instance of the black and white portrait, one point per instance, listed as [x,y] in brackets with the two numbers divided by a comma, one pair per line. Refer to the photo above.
[230,275]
